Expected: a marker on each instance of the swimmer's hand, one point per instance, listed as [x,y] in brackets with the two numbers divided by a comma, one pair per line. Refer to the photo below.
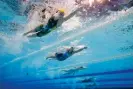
[85,47]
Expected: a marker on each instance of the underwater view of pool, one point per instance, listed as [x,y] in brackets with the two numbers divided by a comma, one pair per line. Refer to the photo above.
[91,50]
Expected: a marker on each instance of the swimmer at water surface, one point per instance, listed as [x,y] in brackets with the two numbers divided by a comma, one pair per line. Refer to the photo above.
[54,21]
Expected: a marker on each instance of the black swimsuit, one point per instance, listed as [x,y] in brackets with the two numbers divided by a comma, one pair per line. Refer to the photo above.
[51,24]
[63,56]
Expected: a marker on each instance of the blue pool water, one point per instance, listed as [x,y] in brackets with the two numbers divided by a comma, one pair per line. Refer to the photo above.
[108,60]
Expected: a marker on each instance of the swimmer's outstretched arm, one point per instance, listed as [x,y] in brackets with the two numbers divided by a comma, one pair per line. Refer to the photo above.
[51,57]
[76,51]
[72,14]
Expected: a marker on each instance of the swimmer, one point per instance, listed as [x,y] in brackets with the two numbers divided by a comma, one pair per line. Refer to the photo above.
[55,21]
[61,56]
[87,80]
[73,70]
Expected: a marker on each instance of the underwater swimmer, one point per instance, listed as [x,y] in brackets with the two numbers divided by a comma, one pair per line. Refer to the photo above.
[73,70]
[55,21]
[61,56]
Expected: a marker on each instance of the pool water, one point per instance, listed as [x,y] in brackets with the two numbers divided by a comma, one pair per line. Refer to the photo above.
[108,60]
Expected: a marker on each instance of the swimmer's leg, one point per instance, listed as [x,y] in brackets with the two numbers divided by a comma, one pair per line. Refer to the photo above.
[32,35]
[51,57]
[28,32]
[38,34]
[37,29]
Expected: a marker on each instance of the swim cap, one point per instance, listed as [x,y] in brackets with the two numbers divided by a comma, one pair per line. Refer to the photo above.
[61,11]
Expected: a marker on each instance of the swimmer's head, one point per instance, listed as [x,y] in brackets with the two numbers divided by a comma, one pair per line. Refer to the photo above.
[71,50]
[61,12]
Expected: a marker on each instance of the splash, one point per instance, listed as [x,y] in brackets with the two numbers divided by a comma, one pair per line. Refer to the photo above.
[80,33]
[9,41]
[94,27]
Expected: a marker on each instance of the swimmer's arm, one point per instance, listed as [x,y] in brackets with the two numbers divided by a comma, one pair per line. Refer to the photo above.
[76,51]
[71,14]
[50,57]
